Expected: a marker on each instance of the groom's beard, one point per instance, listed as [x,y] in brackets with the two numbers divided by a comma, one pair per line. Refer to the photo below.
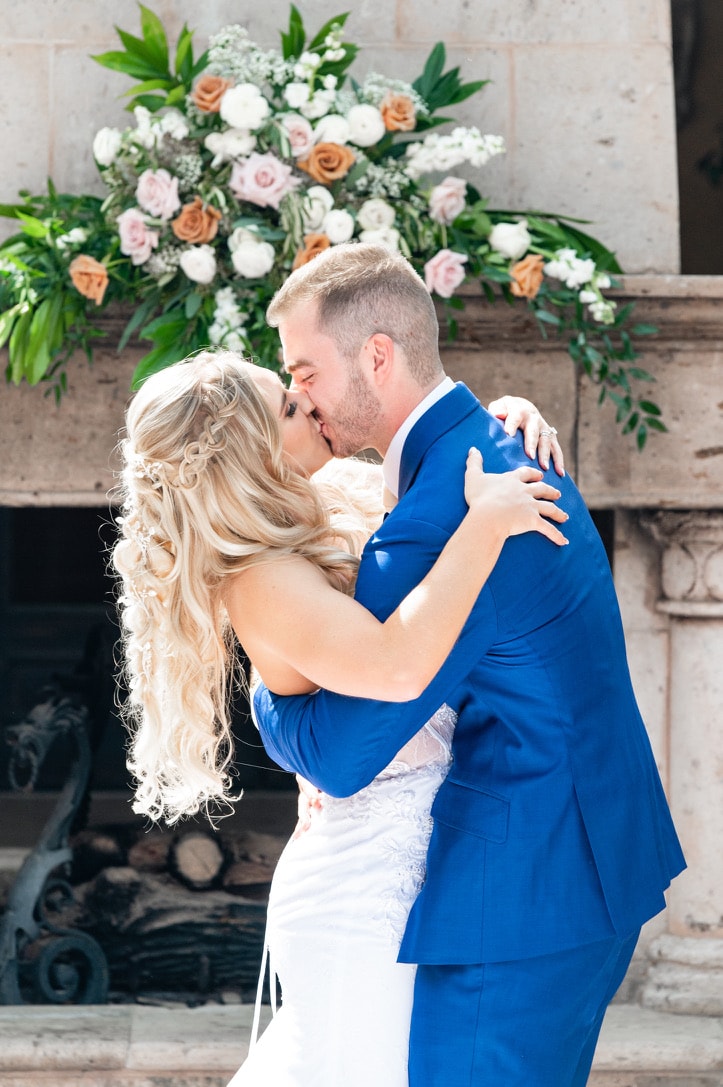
[349,425]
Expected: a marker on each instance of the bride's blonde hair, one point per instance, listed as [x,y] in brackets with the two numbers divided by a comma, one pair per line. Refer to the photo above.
[205,491]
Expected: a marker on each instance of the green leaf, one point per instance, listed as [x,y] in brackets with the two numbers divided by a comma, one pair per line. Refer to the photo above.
[155,37]
[152,102]
[139,316]
[184,55]
[293,41]
[193,304]
[656,424]
[547,317]
[7,320]
[425,83]
[321,34]
[139,49]
[177,94]
[148,85]
[18,344]
[644,330]
[32,226]
[642,437]
[157,359]
[122,62]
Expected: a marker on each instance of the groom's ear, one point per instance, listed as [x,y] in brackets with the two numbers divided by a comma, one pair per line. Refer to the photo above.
[380,357]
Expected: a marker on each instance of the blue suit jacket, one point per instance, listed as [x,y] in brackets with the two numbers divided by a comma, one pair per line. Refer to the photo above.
[551,829]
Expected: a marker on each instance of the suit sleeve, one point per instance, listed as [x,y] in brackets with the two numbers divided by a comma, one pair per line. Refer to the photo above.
[341,743]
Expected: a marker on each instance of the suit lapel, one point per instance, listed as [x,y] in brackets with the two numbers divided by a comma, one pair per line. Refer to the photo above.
[441,417]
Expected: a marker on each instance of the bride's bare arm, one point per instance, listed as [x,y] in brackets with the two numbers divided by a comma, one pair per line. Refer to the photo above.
[285,613]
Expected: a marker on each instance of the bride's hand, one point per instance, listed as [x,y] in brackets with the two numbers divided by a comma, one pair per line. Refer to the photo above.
[519,501]
[540,439]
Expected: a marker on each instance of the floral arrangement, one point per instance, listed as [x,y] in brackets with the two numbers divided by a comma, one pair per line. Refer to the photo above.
[244,164]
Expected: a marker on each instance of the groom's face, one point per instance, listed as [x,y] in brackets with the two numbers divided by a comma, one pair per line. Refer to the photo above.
[344,402]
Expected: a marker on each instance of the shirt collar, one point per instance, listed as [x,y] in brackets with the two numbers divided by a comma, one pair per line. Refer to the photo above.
[392,461]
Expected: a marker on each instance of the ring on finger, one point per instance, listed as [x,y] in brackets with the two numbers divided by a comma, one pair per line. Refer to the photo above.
[549,432]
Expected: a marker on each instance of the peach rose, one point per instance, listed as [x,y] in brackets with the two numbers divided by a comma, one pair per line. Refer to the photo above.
[527,275]
[89,277]
[313,245]
[398,112]
[209,91]
[327,162]
[197,223]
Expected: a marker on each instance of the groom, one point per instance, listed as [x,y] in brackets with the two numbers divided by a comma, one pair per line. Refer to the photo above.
[552,839]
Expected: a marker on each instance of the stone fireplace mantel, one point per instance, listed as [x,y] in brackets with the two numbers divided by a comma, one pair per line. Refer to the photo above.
[65,455]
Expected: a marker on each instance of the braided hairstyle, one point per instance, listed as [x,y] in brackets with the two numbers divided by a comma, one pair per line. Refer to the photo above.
[205,491]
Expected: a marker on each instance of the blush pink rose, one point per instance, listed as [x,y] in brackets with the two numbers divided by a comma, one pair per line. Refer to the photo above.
[300,133]
[136,239]
[262,180]
[447,200]
[157,193]
[445,272]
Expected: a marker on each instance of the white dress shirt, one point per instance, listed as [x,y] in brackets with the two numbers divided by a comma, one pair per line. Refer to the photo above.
[392,462]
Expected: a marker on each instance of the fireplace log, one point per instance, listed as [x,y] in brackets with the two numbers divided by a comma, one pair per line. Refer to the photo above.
[197,859]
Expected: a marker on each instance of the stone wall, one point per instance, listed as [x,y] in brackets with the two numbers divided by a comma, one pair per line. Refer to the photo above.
[583,96]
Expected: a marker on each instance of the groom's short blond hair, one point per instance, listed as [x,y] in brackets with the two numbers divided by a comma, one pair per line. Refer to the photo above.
[360,289]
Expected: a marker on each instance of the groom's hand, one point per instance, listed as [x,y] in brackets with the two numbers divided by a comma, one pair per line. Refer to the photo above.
[517,501]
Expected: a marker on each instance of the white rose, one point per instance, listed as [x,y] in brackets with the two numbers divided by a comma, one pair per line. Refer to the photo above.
[296,94]
[332,129]
[253,259]
[199,263]
[106,145]
[234,143]
[386,236]
[174,124]
[318,202]
[375,214]
[366,125]
[510,239]
[244,106]
[338,225]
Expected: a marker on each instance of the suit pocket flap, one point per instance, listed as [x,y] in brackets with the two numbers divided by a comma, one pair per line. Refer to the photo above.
[471,810]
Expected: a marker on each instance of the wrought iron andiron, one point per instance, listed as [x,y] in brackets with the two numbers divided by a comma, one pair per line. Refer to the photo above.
[39,961]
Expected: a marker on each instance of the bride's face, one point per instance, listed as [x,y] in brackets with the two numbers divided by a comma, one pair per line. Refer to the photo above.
[305,448]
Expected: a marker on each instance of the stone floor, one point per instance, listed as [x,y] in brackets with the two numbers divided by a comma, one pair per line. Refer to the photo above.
[141,1046]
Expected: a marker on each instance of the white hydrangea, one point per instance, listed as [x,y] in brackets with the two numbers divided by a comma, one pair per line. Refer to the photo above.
[227,329]
[76,236]
[603,311]
[440,154]
[570,269]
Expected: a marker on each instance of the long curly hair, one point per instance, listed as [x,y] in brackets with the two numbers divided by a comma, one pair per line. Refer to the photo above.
[205,491]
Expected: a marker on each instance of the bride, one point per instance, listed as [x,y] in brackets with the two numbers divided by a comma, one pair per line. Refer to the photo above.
[232,525]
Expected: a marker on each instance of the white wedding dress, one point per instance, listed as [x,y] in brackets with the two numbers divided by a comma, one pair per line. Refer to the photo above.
[338,906]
